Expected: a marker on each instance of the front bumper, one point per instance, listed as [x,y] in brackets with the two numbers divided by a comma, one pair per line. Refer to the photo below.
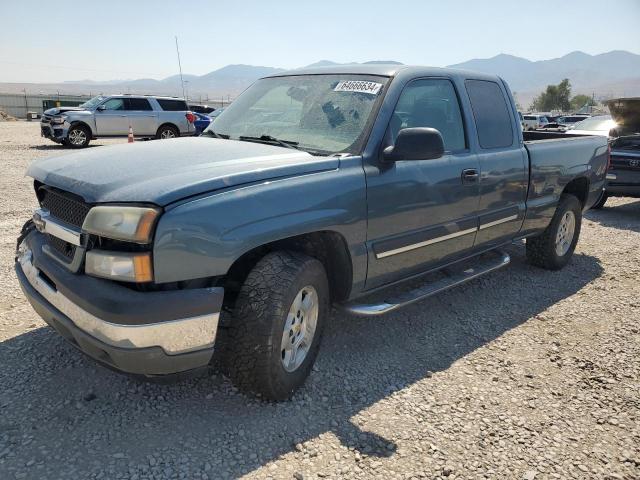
[146,333]
[55,132]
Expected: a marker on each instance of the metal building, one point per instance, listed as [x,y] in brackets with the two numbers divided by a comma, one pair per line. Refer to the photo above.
[18,104]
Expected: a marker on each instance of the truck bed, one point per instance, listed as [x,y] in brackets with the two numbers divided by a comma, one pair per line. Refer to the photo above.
[565,153]
[537,135]
[554,157]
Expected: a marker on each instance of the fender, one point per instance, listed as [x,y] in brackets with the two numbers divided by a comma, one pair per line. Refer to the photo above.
[80,122]
[203,237]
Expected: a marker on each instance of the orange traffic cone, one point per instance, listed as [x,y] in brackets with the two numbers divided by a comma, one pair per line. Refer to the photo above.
[130,137]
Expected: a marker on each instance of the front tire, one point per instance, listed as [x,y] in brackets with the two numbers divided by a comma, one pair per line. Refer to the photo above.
[276,327]
[78,136]
[554,247]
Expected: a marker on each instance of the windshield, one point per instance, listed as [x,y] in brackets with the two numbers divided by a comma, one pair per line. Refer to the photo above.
[93,103]
[602,123]
[322,114]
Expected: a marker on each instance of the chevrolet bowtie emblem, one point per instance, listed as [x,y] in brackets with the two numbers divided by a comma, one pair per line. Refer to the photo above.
[39,222]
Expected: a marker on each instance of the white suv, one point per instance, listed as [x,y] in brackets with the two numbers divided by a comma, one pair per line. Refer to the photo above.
[531,122]
[113,115]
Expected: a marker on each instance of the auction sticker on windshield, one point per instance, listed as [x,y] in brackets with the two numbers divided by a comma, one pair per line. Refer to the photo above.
[358,86]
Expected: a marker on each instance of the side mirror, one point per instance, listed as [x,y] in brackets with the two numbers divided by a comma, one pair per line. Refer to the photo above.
[101,108]
[419,143]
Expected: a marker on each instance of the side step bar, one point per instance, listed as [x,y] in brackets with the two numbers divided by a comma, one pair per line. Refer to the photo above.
[428,289]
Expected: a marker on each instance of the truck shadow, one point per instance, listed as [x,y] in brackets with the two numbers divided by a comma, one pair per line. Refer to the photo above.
[622,217]
[58,147]
[55,400]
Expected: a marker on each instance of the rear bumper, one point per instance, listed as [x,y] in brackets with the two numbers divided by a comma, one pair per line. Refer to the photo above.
[623,183]
[145,333]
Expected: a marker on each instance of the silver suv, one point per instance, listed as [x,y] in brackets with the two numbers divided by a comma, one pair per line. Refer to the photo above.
[113,115]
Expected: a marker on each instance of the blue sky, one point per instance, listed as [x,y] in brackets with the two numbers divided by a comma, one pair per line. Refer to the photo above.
[132,39]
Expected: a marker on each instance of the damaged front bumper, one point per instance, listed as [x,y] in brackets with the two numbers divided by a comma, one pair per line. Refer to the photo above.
[146,333]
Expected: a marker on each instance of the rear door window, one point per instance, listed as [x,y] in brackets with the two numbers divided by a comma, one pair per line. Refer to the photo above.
[138,104]
[491,113]
[172,105]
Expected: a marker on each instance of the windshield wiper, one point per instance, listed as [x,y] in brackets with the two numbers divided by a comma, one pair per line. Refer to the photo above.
[270,139]
[211,133]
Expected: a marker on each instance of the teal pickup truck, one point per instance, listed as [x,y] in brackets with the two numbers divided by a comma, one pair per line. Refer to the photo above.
[315,187]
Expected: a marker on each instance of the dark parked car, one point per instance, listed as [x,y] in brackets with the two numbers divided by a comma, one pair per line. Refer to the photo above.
[314,187]
[204,109]
[623,177]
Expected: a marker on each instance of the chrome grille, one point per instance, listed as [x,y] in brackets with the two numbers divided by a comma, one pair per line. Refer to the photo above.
[67,208]
[64,248]
[64,206]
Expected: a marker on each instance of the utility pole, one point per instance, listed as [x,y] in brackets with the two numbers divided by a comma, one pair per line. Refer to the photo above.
[26,106]
[180,67]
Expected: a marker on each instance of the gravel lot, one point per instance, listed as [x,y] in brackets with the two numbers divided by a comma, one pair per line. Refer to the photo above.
[522,374]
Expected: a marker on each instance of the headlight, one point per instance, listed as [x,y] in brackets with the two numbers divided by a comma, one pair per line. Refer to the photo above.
[127,267]
[60,119]
[130,224]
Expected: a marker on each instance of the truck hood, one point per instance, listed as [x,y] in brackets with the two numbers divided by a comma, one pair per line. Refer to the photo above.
[59,110]
[164,171]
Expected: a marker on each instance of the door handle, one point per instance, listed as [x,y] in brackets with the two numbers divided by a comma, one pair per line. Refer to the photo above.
[470,175]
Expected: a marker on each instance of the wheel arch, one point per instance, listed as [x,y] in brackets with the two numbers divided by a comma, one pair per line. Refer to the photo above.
[167,124]
[84,124]
[327,246]
[579,188]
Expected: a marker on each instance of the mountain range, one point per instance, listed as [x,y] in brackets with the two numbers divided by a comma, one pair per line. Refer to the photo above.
[615,73]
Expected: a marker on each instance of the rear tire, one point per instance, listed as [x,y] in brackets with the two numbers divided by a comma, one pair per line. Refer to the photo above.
[554,247]
[601,201]
[284,301]
[166,132]
[78,136]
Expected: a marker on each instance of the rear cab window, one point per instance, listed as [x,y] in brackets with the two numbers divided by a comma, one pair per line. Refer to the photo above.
[491,114]
[170,105]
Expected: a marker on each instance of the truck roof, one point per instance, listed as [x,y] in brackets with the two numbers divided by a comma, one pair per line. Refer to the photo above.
[387,70]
